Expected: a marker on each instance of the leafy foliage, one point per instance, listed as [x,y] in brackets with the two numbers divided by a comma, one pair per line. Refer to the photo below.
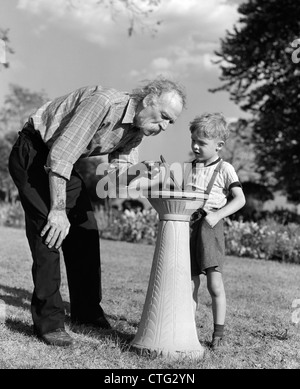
[267,239]
[12,215]
[8,191]
[130,226]
[240,151]
[258,71]
[19,103]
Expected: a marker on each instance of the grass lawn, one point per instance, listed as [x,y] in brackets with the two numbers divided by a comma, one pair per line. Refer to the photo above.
[260,330]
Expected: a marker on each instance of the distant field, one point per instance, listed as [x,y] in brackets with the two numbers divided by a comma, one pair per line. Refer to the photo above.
[260,330]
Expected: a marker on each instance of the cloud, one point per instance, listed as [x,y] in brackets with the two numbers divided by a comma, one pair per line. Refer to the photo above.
[189,36]
[55,8]
[93,21]
[161,63]
[179,67]
[16,65]
[179,18]
[191,55]
[210,18]
[185,43]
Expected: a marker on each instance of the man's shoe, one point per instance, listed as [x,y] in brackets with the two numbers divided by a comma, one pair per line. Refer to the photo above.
[100,323]
[58,337]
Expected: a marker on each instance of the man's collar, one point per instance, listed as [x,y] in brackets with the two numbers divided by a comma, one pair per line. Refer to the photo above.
[130,112]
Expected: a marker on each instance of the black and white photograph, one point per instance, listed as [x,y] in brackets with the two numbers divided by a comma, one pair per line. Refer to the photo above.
[150,187]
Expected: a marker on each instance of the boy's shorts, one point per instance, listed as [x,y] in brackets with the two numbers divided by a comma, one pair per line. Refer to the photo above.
[207,246]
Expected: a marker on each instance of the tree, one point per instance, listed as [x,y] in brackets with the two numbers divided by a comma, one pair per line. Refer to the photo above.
[240,151]
[137,12]
[18,105]
[8,190]
[260,70]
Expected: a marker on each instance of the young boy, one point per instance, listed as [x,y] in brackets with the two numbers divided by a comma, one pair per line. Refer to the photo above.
[209,133]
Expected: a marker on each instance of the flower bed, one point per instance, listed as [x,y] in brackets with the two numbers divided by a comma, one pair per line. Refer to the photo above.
[267,239]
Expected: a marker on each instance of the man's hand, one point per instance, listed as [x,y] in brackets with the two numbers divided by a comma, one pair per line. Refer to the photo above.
[58,225]
[57,228]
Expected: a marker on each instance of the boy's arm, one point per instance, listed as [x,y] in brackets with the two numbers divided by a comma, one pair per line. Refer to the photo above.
[237,202]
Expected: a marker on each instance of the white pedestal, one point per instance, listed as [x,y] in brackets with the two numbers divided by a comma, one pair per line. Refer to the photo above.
[167,324]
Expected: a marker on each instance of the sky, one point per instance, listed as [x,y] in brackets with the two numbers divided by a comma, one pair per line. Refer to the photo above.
[59,48]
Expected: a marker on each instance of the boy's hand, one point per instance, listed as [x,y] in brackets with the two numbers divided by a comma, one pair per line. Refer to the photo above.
[212,219]
[152,169]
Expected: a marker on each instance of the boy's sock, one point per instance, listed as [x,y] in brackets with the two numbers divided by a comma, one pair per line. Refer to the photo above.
[218,330]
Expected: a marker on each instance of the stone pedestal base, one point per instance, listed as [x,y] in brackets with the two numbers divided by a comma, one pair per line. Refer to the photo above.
[168,325]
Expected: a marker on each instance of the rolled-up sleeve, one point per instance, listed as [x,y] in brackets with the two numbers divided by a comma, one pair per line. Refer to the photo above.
[77,134]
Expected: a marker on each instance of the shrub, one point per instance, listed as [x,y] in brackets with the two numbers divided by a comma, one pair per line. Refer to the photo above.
[266,240]
[243,239]
[12,215]
[131,226]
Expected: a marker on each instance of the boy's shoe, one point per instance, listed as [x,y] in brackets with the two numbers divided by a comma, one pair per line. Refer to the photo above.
[58,337]
[218,342]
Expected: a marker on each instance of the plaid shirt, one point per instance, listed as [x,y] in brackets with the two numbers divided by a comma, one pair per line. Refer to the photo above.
[87,122]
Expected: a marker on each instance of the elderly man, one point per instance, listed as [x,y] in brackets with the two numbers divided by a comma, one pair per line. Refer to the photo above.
[86,122]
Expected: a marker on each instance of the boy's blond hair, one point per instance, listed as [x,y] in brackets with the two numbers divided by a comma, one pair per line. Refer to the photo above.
[211,126]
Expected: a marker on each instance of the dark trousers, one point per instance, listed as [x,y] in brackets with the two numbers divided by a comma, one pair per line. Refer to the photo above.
[81,248]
